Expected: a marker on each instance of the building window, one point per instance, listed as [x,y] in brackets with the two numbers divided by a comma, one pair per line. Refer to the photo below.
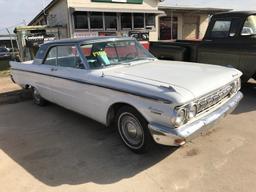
[168,28]
[96,20]
[81,20]
[138,19]
[110,21]
[126,21]
[150,19]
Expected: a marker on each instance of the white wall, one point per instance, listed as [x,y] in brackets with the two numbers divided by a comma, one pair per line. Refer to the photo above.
[204,22]
[58,14]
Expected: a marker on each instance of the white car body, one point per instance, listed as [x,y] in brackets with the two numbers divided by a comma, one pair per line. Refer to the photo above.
[153,87]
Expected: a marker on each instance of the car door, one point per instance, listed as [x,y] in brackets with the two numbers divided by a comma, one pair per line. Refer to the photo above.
[70,90]
[221,48]
[44,77]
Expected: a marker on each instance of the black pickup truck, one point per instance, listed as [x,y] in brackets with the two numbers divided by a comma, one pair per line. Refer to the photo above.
[230,40]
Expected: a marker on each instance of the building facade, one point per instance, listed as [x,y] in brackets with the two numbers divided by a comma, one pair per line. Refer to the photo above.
[8,41]
[143,19]
[83,18]
[185,23]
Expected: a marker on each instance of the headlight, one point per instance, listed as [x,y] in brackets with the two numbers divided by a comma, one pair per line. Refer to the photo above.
[192,111]
[180,117]
[236,86]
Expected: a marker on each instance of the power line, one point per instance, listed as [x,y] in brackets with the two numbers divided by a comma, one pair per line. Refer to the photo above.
[12,26]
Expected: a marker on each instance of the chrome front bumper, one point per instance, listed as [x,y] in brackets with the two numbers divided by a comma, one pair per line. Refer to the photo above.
[179,136]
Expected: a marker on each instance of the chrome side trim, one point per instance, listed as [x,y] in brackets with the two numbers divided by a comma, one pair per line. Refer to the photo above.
[151,97]
[168,136]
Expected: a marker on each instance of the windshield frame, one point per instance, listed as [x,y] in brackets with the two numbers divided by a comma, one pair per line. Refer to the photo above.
[138,46]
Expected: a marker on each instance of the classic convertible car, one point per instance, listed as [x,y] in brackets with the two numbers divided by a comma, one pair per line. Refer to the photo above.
[118,83]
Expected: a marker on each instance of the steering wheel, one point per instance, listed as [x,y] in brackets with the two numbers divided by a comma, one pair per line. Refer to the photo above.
[129,55]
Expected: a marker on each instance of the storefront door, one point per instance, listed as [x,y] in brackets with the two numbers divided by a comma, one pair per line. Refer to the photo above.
[168,28]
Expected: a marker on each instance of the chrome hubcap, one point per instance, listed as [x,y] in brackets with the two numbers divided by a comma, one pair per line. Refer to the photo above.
[131,130]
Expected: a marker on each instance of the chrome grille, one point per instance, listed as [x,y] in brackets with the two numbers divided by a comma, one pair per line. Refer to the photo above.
[214,98]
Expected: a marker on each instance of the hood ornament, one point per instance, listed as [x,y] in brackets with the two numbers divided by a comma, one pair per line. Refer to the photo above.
[234,75]
[170,88]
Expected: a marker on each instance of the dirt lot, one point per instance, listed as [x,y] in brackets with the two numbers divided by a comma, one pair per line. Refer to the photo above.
[53,149]
[6,85]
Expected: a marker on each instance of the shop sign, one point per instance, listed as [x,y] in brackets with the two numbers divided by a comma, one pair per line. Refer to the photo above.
[120,1]
[82,34]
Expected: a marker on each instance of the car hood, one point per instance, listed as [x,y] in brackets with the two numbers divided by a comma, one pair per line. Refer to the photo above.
[193,78]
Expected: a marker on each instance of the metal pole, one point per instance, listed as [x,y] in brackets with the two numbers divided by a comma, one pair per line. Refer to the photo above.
[11,41]
[171,25]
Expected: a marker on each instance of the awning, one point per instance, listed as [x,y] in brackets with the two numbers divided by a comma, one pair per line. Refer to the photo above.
[158,12]
[7,37]
[189,9]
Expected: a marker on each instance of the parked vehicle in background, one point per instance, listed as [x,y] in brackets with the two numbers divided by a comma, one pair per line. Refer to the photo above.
[117,82]
[4,53]
[230,40]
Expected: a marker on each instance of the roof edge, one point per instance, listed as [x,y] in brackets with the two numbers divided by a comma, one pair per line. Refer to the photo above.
[187,8]
[45,9]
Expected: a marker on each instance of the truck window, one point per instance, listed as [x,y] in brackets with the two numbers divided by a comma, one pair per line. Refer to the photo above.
[221,29]
[249,26]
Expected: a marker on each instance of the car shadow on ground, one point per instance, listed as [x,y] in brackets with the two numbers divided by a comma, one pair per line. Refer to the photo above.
[248,103]
[15,96]
[58,147]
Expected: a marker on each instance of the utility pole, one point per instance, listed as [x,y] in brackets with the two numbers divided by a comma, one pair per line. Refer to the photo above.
[45,14]
[11,42]
[24,22]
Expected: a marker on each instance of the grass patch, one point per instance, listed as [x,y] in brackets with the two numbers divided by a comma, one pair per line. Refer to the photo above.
[5,73]
[4,65]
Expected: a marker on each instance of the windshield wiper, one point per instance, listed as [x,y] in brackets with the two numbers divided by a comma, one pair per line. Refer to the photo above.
[128,62]
[140,58]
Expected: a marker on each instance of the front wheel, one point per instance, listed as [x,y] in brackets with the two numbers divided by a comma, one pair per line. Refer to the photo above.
[133,130]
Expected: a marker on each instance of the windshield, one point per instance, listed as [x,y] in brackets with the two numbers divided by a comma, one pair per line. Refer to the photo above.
[249,26]
[104,54]
[3,49]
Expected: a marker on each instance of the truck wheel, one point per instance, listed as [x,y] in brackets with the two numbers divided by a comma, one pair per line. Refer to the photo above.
[133,130]
[38,100]
[254,76]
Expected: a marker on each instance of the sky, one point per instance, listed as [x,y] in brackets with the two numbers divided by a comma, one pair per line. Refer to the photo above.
[15,12]
[227,4]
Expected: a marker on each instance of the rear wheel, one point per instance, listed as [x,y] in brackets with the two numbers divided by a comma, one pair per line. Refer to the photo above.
[38,99]
[133,130]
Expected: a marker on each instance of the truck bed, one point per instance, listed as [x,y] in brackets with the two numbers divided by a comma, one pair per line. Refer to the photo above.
[181,50]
